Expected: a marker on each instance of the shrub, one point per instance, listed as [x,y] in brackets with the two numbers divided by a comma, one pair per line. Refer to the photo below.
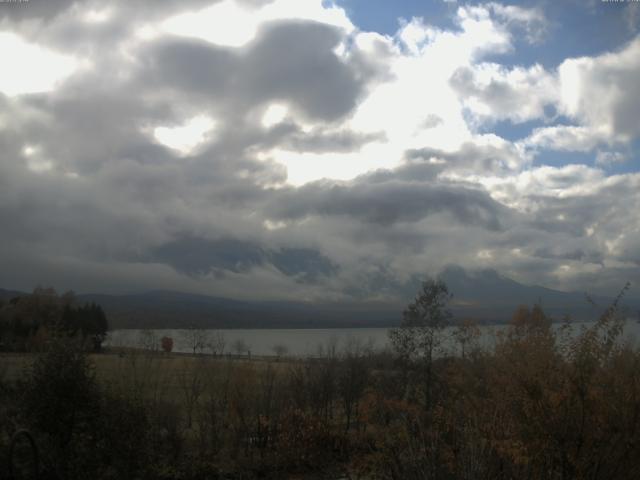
[167,344]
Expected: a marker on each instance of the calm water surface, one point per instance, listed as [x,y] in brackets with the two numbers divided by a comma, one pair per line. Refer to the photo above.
[297,342]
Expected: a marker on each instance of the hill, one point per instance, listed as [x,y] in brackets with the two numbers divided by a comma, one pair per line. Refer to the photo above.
[482,295]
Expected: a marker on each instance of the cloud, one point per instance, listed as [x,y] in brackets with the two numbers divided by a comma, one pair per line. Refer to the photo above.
[531,20]
[35,9]
[486,154]
[231,23]
[320,140]
[30,68]
[606,158]
[380,159]
[199,256]
[310,78]
[566,137]
[389,201]
[603,93]
[493,93]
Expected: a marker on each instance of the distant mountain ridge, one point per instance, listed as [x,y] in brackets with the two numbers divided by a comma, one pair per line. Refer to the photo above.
[169,309]
[483,295]
[8,294]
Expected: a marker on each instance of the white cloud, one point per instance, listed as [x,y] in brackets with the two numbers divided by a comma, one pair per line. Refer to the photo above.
[224,23]
[603,92]
[30,68]
[531,19]
[559,182]
[415,34]
[566,137]
[274,114]
[491,36]
[98,16]
[493,92]
[229,23]
[304,167]
[36,161]
[601,95]
[605,158]
[186,137]
[421,60]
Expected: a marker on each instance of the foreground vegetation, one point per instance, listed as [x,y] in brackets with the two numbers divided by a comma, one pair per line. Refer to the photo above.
[28,322]
[542,404]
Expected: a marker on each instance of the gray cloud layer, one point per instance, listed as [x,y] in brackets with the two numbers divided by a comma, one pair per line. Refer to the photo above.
[118,211]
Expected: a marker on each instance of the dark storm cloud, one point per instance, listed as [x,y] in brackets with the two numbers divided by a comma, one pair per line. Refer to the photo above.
[304,263]
[578,254]
[99,219]
[34,9]
[414,170]
[191,66]
[390,202]
[49,10]
[322,140]
[319,139]
[290,61]
[198,256]
[310,74]
[93,127]
[381,279]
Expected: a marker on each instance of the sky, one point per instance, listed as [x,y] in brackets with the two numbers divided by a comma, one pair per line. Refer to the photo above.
[315,150]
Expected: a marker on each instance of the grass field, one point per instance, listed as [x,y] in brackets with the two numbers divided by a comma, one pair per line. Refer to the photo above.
[184,383]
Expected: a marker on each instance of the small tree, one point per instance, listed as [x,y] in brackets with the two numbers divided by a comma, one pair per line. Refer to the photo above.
[240,346]
[167,344]
[217,343]
[196,339]
[61,399]
[280,350]
[95,325]
[466,334]
[353,377]
[192,384]
[421,332]
[147,340]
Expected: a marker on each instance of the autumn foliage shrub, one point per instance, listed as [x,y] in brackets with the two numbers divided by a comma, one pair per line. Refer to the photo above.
[166,343]
[544,401]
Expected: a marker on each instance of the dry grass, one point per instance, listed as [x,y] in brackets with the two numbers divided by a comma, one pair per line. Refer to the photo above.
[13,366]
[156,376]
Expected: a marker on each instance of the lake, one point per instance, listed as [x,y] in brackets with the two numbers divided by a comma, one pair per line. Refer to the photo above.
[297,342]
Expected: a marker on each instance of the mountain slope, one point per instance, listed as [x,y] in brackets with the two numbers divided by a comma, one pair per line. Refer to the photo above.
[162,309]
[487,295]
[483,295]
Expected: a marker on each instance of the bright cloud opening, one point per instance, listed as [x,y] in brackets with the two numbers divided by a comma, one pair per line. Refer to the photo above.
[274,115]
[229,24]
[36,163]
[225,23]
[187,137]
[98,16]
[28,68]
[304,167]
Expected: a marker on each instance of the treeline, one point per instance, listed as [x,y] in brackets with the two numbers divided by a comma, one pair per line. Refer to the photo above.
[542,403]
[29,322]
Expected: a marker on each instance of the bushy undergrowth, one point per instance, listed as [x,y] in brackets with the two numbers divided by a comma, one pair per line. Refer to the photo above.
[543,403]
